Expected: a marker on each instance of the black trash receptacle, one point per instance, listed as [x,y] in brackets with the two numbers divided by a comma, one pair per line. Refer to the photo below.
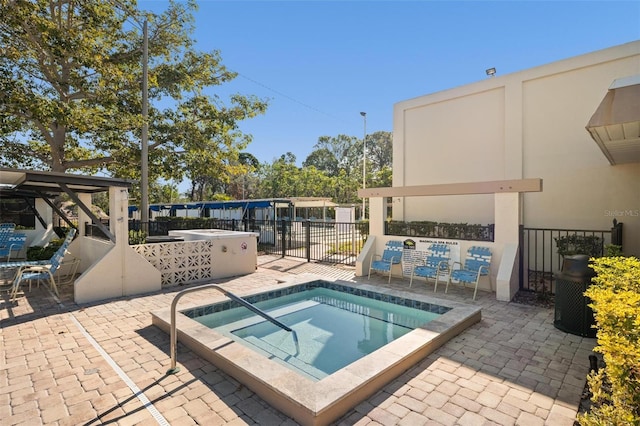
[572,315]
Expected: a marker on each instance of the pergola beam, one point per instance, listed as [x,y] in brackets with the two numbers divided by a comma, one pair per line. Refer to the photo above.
[88,212]
[467,188]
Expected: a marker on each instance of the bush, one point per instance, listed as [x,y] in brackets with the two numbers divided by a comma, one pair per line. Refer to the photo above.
[430,229]
[44,253]
[137,237]
[568,245]
[615,296]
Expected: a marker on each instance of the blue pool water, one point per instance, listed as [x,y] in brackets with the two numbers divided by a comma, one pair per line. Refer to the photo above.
[334,327]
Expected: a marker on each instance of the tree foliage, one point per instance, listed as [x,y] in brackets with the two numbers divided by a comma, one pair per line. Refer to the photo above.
[70,91]
[346,151]
[615,296]
[323,160]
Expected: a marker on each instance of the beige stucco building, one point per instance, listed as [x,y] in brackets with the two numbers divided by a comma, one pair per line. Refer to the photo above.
[530,124]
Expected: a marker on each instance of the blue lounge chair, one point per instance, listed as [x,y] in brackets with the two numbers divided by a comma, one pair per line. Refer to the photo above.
[13,242]
[40,270]
[392,255]
[6,230]
[476,264]
[434,265]
[19,263]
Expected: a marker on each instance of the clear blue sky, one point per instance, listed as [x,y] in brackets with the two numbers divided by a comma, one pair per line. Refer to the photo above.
[321,63]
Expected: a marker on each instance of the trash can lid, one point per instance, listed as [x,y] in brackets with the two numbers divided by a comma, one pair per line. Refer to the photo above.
[577,266]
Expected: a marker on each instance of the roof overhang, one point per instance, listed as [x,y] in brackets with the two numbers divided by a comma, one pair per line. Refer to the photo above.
[16,182]
[615,126]
[307,202]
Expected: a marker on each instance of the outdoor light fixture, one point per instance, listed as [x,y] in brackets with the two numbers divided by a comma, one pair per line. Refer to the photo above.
[491,72]
[364,161]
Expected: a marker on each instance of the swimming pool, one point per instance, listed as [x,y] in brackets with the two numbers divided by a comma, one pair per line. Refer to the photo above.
[333,327]
[308,396]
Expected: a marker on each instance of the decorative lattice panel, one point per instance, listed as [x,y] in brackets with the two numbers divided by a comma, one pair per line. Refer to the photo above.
[179,262]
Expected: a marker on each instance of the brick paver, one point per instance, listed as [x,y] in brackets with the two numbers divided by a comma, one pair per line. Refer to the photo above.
[513,367]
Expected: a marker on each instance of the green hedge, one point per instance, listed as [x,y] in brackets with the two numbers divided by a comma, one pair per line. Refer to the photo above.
[615,296]
[568,245]
[44,253]
[430,229]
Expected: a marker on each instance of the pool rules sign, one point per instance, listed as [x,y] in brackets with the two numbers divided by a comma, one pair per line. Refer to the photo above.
[416,250]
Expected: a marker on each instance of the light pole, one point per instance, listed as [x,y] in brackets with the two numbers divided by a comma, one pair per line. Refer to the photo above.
[364,161]
[144,154]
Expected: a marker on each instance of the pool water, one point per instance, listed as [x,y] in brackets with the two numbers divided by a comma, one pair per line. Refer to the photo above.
[333,328]
[296,391]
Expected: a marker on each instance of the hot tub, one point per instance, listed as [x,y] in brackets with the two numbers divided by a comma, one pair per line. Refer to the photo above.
[211,234]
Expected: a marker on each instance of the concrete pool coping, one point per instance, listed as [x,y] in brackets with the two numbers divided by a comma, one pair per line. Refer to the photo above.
[319,403]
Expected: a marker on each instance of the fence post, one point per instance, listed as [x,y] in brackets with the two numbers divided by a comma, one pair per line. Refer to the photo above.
[521,255]
[616,233]
[283,228]
[307,238]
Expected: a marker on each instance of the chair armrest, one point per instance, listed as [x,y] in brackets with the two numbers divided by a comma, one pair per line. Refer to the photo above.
[443,265]
[34,268]
[483,267]
[453,265]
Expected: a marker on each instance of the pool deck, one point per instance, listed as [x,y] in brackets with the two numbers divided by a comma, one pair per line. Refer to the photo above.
[68,364]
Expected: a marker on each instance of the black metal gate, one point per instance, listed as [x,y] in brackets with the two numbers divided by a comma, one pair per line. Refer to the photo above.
[330,242]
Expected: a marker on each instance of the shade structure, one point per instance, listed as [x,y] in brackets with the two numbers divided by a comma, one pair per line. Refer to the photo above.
[615,125]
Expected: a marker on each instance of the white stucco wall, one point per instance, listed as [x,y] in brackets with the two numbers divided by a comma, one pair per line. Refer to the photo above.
[111,269]
[529,124]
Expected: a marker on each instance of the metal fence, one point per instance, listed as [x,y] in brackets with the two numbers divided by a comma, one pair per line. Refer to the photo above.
[332,242]
[540,258]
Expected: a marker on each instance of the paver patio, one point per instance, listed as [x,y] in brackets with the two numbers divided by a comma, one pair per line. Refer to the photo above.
[68,364]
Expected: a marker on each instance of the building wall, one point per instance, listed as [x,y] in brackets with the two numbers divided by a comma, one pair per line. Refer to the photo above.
[529,124]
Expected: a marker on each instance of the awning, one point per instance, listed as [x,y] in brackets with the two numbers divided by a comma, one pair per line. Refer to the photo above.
[306,202]
[217,205]
[615,126]
[181,206]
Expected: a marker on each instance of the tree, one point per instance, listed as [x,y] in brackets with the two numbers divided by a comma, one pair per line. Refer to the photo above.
[70,91]
[324,160]
[379,151]
[279,178]
[242,182]
[380,179]
[344,150]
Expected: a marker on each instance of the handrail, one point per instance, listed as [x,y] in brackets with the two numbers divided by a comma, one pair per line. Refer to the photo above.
[238,299]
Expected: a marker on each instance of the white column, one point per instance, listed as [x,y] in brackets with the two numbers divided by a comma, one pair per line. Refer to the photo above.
[507,219]
[82,216]
[377,216]
[119,214]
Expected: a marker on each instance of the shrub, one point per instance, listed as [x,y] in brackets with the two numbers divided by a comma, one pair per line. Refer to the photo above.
[429,229]
[615,296]
[44,253]
[568,245]
[137,237]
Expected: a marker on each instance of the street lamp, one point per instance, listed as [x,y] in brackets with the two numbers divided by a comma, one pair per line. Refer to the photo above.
[364,161]
[144,153]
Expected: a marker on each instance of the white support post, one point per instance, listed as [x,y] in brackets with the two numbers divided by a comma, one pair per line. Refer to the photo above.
[507,219]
